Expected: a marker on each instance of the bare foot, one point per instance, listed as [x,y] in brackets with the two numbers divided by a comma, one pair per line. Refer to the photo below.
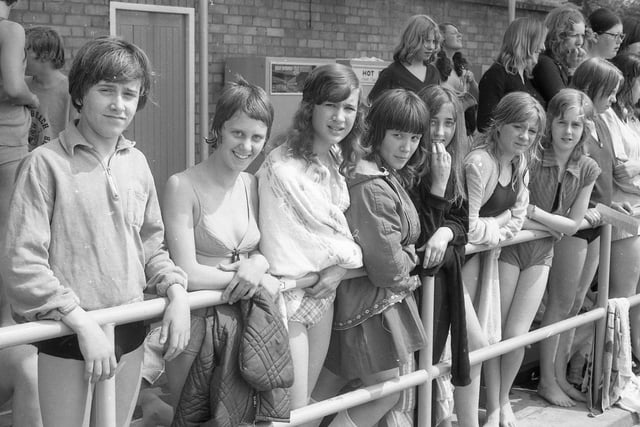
[493,419]
[572,392]
[554,395]
[507,417]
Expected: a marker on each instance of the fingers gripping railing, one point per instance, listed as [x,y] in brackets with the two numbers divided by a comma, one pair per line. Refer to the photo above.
[105,393]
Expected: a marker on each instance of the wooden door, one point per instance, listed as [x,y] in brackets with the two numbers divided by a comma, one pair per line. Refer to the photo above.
[164,129]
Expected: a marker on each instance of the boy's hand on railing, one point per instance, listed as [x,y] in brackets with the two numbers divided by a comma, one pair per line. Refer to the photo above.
[176,323]
[96,348]
[328,282]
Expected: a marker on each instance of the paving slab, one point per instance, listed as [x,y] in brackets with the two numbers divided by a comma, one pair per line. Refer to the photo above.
[533,411]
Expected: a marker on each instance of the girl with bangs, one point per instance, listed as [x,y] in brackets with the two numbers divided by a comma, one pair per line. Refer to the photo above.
[411,68]
[522,43]
[496,177]
[524,268]
[564,50]
[303,196]
[376,327]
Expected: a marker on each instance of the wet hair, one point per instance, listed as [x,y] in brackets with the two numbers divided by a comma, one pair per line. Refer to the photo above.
[514,107]
[596,77]
[631,29]
[437,97]
[629,65]
[333,83]
[111,59]
[46,44]
[521,41]
[564,100]
[241,96]
[416,31]
[602,20]
[559,22]
[404,111]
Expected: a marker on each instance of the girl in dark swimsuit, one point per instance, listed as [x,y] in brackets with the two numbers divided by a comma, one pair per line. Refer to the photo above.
[496,177]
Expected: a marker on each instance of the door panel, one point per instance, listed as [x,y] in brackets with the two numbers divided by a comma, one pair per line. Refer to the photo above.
[160,129]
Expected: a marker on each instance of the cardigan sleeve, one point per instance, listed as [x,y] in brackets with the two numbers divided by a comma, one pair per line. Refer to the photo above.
[481,230]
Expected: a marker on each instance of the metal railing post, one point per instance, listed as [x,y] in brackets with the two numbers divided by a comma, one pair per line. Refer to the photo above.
[105,394]
[602,300]
[425,357]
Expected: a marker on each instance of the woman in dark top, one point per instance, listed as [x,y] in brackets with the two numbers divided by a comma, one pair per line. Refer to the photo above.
[564,52]
[411,69]
[522,43]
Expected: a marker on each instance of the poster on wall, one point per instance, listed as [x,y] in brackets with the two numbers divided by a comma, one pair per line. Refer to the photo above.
[288,78]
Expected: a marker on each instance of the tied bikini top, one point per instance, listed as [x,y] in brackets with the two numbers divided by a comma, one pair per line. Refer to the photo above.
[214,241]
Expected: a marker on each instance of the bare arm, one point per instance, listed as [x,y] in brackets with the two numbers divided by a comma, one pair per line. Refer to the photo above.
[178,206]
[12,42]
[562,224]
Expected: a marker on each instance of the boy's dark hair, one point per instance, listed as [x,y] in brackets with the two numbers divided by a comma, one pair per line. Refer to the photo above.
[241,96]
[46,44]
[110,59]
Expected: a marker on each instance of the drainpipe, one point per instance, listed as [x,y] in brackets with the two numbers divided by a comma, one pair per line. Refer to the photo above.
[204,78]
[512,10]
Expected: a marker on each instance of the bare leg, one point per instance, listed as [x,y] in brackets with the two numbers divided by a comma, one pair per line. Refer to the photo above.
[319,337]
[369,414]
[19,367]
[327,386]
[299,344]
[471,276]
[567,338]
[570,255]
[467,398]
[520,313]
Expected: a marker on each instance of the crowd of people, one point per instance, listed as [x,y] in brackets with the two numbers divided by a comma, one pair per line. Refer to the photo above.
[397,182]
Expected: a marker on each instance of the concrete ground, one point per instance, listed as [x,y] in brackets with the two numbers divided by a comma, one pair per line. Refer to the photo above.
[533,411]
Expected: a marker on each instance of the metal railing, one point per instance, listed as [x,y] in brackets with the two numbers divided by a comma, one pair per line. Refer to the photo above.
[422,377]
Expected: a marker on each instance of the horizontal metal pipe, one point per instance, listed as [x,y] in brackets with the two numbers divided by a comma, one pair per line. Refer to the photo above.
[354,398]
[44,329]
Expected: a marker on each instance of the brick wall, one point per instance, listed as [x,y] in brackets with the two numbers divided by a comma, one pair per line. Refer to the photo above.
[303,28]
